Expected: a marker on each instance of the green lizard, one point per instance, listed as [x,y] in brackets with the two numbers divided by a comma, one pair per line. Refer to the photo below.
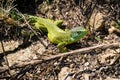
[55,34]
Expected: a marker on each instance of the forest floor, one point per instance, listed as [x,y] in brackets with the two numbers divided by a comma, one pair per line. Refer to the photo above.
[32,61]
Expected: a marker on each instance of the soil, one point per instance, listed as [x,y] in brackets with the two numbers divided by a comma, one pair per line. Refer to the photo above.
[98,64]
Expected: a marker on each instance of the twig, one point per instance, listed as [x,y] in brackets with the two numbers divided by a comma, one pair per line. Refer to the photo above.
[32,29]
[83,50]
[89,16]
[6,60]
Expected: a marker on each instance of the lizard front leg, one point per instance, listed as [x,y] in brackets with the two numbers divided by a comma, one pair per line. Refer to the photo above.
[61,47]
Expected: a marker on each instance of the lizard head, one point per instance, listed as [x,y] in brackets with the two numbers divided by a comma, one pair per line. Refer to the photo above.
[77,33]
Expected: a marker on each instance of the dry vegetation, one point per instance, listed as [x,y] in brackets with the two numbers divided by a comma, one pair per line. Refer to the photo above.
[95,57]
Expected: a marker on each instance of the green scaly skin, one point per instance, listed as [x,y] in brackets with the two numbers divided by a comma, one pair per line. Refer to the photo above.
[55,34]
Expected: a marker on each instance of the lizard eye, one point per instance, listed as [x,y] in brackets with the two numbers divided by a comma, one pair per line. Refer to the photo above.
[75,34]
[79,32]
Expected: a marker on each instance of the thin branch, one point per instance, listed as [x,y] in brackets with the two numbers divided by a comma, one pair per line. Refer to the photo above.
[32,29]
[83,50]
[6,60]
[89,16]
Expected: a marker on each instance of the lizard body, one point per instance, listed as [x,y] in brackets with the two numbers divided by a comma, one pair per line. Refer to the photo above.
[55,34]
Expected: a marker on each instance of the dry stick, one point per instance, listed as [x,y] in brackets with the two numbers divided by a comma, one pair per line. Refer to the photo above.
[32,29]
[90,14]
[6,60]
[83,50]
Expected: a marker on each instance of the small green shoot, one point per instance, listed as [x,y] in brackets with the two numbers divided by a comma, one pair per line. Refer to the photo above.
[48,1]
[98,38]
[116,24]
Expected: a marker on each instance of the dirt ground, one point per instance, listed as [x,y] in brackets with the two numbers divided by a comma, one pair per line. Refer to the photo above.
[97,64]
